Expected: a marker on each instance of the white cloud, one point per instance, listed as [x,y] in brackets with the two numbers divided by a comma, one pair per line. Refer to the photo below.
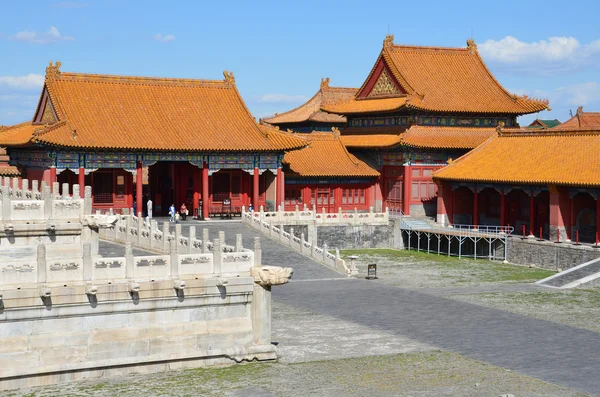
[282,98]
[579,94]
[31,81]
[556,54]
[51,36]
[164,39]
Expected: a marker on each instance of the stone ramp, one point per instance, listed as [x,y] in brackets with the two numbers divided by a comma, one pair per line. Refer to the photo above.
[574,277]
[273,253]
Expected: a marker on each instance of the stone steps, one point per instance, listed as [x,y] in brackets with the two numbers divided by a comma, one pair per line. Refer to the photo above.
[574,277]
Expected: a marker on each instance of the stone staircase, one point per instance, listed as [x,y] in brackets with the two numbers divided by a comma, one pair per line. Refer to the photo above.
[417,223]
[585,273]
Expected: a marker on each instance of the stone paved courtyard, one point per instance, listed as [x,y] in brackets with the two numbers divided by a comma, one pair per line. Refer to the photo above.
[352,337]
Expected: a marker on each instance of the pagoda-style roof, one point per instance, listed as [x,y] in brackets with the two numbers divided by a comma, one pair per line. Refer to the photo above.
[585,120]
[417,136]
[539,123]
[425,137]
[95,111]
[557,156]
[325,156]
[433,79]
[311,110]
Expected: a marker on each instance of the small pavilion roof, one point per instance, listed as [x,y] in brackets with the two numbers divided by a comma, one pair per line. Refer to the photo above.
[326,156]
[556,156]
[311,110]
[539,123]
[585,120]
[142,113]
[436,79]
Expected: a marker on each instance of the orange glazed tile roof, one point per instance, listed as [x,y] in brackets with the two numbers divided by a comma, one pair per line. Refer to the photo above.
[446,137]
[5,169]
[562,157]
[326,156]
[122,112]
[360,137]
[586,120]
[311,110]
[441,79]
[367,105]
[19,134]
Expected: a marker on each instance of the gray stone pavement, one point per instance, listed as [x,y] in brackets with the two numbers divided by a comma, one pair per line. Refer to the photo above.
[108,249]
[552,352]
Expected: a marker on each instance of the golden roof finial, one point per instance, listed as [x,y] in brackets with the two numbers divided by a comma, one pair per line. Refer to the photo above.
[471,45]
[335,131]
[261,121]
[325,83]
[53,71]
[388,41]
[450,161]
[580,110]
[229,79]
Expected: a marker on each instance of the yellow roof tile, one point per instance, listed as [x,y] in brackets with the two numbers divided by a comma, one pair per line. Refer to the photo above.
[376,105]
[326,156]
[446,137]
[19,134]
[123,112]
[311,110]
[563,157]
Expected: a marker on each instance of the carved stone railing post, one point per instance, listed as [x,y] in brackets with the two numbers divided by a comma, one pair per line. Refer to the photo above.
[140,227]
[356,215]
[76,192]
[166,233]
[204,240]
[291,238]
[153,233]
[6,204]
[41,263]
[16,190]
[178,235]
[129,263]
[222,238]
[238,243]
[325,248]
[65,190]
[297,214]
[257,252]
[340,214]
[174,259]
[302,243]
[217,256]
[87,200]
[25,188]
[55,190]
[34,189]
[87,262]
[48,202]
[128,224]
[191,238]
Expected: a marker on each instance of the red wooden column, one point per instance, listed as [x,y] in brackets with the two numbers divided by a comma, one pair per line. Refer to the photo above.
[52,177]
[406,190]
[502,208]
[196,197]
[138,187]
[531,214]
[279,194]
[205,191]
[81,181]
[255,189]
[451,205]
[570,224]
[382,188]
[475,207]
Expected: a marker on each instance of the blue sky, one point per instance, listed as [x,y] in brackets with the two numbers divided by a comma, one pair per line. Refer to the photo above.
[279,51]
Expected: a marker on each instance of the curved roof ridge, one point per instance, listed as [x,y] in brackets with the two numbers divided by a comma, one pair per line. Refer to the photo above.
[318,93]
[110,78]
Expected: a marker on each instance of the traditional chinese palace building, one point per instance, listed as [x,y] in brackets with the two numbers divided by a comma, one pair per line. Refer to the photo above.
[196,138]
[418,108]
[544,182]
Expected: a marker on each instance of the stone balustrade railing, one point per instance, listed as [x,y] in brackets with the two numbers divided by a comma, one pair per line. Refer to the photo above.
[306,216]
[57,270]
[149,236]
[299,244]
[22,202]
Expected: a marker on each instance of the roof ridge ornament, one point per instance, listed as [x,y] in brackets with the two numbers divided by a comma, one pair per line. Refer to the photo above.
[324,83]
[229,78]
[471,45]
[53,71]
[335,132]
[388,41]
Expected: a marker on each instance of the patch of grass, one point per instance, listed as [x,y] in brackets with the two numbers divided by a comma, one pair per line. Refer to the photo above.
[463,270]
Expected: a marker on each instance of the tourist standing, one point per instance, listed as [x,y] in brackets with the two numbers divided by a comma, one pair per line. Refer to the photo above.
[172,212]
[149,207]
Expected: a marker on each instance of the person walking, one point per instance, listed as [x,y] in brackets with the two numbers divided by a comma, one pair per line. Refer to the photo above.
[149,207]
[172,212]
